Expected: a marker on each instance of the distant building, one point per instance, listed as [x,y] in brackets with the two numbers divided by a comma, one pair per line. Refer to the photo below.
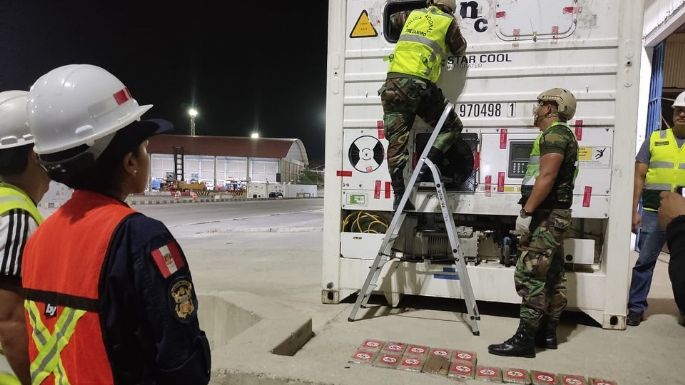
[222,160]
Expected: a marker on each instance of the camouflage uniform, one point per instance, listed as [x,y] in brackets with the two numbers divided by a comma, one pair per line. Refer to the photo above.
[405,96]
[540,279]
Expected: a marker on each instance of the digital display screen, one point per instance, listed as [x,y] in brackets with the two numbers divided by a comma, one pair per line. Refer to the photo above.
[520,150]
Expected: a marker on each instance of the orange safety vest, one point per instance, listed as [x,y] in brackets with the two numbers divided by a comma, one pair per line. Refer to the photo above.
[62,266]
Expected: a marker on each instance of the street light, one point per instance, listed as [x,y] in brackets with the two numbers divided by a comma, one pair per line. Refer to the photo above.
[192,112]
[254,135]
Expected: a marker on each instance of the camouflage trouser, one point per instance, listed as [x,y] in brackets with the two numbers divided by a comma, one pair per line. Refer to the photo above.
[540,279]
[405,97]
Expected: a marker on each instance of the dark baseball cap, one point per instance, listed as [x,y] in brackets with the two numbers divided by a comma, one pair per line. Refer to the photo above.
[130,137]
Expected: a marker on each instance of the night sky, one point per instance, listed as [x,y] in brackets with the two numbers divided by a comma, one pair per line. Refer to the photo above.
[246,65]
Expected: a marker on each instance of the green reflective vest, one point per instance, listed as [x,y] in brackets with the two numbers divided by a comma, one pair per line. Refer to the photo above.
[12,197]
[421,46]
[666,168]
[561,195]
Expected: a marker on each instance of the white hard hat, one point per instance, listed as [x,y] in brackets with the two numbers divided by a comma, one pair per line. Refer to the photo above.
[77,104]
[14,127]
[679,100]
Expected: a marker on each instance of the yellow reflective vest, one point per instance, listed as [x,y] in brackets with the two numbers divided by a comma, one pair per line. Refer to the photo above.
[666,168]
[12,197]
[421,46]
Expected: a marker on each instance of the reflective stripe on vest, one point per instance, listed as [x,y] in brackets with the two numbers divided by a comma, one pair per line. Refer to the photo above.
[12,197]
[50,345]
[421,46]
[666,169]
[62,291]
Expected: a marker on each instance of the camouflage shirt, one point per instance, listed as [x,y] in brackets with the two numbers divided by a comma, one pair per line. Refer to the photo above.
[558,139]
[454,40]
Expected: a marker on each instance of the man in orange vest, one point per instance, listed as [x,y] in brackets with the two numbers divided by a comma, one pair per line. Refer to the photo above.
[109,294]
[23,184]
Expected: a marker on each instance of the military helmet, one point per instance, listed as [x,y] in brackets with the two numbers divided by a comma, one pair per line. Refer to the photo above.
[563,98]
[451,4]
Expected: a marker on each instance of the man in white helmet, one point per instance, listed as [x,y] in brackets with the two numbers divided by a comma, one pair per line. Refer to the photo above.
[659,167]
[111,285]
[23,182]
[427,36]
[546,198]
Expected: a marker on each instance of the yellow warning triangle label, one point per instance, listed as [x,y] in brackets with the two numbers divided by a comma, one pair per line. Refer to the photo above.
[363,27]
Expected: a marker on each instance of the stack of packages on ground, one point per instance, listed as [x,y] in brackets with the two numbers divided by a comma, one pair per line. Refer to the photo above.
[457,364]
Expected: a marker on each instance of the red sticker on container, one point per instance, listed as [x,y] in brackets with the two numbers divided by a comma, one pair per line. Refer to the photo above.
[579,130]
[381,129]
[343,173]
[500,14]
[572,10]
[387,190]
[500,181]
[587,196]
[488,185]
[377,190]
[476,161]
[503,139]
[555,30]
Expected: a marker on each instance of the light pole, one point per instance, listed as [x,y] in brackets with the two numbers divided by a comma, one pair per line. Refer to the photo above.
[192,112]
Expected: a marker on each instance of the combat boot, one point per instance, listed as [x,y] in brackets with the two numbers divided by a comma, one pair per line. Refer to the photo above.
[546,336]
[397,180]
[520,345]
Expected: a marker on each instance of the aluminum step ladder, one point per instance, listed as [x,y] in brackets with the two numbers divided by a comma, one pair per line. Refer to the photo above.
[384,253]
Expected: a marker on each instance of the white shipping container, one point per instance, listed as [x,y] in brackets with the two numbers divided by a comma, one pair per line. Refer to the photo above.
[516,49]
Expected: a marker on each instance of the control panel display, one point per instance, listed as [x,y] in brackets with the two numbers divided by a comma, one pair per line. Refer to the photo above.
[519,153]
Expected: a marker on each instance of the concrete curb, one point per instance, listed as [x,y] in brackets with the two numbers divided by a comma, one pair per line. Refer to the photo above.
[170,200]
[247,343]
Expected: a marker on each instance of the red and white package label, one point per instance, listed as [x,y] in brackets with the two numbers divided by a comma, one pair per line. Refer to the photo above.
[503,139]
[417,350]
[372,345]
[395,347]
[412,363]
[500,181]
[389,360]
[363,357]
[460,369]
[441,353]
[463,356]
[488,185]
[489,373]
[571,379]
[597,381]
[516,376]
[543,378]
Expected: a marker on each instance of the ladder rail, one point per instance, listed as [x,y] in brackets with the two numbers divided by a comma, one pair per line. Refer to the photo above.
[398,218]
[385,251]
[457,253]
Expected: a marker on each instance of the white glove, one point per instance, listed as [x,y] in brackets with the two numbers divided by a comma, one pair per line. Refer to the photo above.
[523,225]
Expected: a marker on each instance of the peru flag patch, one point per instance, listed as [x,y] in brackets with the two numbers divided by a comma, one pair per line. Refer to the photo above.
[168,259]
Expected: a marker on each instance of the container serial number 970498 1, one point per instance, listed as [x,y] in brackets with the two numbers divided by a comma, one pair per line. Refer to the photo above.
[486,110]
